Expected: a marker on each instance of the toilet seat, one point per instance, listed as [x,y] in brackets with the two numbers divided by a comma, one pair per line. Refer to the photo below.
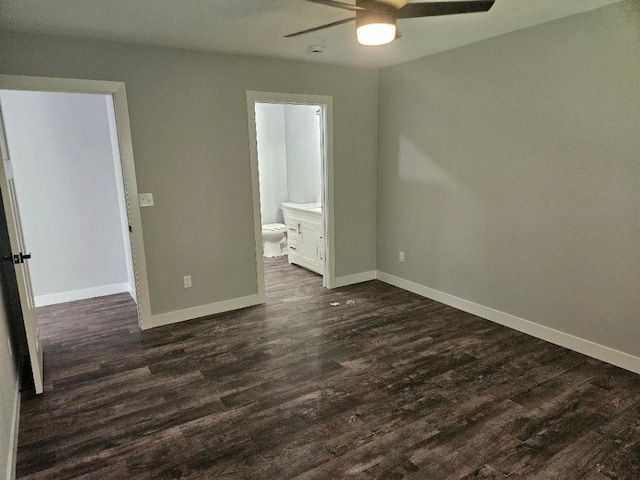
[274,227]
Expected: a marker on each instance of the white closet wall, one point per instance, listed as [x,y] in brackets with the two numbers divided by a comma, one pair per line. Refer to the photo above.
[63,159]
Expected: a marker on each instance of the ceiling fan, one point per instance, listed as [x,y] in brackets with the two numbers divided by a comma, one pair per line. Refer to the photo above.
[376,20]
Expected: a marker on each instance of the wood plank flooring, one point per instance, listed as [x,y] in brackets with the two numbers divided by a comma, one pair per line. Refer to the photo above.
[386,385]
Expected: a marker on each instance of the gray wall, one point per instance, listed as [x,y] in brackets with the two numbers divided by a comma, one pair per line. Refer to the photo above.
[190,138]
[66,188]
[304,153]
[509,173]
[272,160]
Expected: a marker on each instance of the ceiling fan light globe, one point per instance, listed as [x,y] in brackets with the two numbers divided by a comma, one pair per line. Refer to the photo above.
[376,34]
[375,28]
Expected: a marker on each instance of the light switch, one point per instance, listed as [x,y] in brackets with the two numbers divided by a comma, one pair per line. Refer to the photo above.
[146,199]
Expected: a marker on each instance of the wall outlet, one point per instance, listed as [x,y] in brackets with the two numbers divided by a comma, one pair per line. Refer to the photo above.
[187,281]
[401,256]
[146,199]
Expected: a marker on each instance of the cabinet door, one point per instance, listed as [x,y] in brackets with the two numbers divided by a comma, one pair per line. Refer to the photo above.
[309,247]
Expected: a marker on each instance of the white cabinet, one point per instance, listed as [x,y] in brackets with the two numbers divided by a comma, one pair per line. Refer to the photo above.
[305,235]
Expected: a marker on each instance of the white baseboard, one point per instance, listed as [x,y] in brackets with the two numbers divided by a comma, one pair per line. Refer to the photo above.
[10,474]
[580,345]
[355,278]
[132,291]
[202,311]
[72,296]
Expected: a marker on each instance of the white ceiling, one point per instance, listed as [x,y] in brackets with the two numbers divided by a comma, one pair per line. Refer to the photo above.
[256,27]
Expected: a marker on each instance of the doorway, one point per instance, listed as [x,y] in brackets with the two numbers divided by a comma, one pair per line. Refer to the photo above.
[291,168]
[77,198]
[70,194]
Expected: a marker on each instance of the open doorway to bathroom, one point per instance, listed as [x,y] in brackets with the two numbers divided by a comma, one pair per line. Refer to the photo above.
[290,153]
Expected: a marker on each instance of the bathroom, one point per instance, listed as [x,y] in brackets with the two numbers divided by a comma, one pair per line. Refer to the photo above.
[290,149]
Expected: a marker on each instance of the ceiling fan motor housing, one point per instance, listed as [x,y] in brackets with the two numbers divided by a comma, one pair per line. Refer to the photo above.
[377,12]
[367,18]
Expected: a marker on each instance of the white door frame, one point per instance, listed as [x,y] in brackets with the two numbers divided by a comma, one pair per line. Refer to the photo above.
[326,104]
[118,92]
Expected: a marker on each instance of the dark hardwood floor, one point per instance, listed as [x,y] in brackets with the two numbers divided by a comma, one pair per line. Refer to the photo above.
[386,385]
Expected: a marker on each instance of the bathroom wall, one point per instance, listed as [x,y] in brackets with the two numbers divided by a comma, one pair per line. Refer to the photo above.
[289,157]
[67,194]
[304,153]
[272,160]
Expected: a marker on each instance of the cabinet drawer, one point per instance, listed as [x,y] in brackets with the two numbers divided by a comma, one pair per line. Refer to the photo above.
[292,253]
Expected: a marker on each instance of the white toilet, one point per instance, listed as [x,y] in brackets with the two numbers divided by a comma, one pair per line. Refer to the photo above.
[274,239]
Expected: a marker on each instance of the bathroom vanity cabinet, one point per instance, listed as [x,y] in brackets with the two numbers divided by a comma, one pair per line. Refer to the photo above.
[305,235]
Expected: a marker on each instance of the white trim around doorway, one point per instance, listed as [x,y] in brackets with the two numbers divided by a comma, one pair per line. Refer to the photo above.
[118,91]
[326,103]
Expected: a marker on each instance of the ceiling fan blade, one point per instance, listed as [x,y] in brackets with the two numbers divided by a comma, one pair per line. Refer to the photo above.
[345,6]
[321,27]
[433,9]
